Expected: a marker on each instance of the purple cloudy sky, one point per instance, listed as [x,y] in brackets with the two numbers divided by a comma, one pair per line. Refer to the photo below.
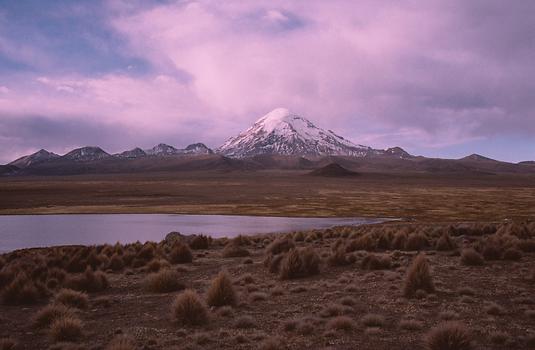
[438,78]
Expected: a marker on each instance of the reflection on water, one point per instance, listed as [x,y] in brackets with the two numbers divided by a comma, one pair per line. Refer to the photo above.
[25,231]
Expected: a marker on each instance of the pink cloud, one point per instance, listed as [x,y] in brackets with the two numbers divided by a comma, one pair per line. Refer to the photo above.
[417,74]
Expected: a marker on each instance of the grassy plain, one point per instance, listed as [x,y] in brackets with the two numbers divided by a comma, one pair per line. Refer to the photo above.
[422,197]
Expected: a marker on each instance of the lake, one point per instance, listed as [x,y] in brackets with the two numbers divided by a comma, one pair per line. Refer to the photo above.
[28,231]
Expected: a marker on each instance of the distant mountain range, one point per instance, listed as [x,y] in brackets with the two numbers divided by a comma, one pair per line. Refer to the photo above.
[278,140]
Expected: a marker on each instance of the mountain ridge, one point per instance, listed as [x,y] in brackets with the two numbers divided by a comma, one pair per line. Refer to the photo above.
[278,140]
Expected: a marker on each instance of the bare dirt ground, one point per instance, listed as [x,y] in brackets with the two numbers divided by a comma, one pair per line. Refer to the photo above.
[492,300]
[423,197]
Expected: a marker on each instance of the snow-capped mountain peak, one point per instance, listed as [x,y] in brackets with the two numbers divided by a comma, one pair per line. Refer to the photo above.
[88,153]
[161,149]
[197,148]
[283,132]
[38,157]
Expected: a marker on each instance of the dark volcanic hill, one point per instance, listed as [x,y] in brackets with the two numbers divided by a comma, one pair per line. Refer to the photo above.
[333,170]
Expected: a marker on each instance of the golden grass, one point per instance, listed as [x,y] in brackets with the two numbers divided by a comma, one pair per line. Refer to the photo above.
[290,193]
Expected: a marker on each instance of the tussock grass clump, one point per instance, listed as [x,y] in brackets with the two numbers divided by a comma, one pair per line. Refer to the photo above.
[147,252]
[22,290]
[72,298]
[341,323]
[89,281]
[512,254]
[188,309]
[271,343]
[376,262]
[373,320]
[180,254]
[527,245]
[244,322]
[498,337]
[470,257]
[299,263]
[339,258]
[418,277]
[8,344]
[66,328]
[491,251]
[116,262]
[348,301]
[410,325]
[399,240]
[416,241]
[233,250]
[331,310]
[122,342]
[258,296]
[200,242]
[280,245]
[221,291]
[164,281]
[494,309]
[445,242]
[156,265]
[50,313]
[449,336]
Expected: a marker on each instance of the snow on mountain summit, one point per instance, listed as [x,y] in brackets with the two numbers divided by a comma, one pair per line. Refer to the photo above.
[283,132]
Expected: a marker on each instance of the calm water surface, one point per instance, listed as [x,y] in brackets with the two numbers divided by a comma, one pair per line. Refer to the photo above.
[26,231]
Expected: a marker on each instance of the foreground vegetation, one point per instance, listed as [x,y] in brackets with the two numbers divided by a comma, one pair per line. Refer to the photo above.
[388,286]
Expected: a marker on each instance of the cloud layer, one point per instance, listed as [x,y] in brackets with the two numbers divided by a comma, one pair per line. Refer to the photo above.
[437,77]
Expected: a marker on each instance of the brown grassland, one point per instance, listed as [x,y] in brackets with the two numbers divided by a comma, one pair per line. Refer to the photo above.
[424,197]
[458,273]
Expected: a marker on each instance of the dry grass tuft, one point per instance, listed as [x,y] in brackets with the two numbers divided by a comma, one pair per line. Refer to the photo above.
[271,343]
[156,265]
[331,310]
[280,245]
[299,263]
[449,336]
[244,322]
[116,262]
[341,323]
[122,342]
[188,309]
[89,281]
[164,281]
[494,309]
[200,242]
[66,328]
[50,313]
[180,254]
[512,254]
[221,291]
[72,298]
[418,277]
[376,262]
[232,250]
[339,258]
[373,320]
[416,241]
[445,242]
[470,257]
[22,290]
[410,325]
[8,344]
